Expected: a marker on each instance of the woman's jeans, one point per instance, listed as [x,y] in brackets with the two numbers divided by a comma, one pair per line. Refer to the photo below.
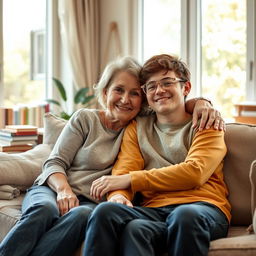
[42,231]
[182,230]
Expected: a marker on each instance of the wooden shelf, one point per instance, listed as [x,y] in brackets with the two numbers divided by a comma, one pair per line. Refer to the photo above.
[245,106]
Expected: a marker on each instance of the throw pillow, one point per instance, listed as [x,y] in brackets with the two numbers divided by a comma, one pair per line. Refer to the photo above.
[21,169]
[53,126]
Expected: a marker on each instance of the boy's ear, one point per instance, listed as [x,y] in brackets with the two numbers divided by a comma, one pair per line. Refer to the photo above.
[186,88]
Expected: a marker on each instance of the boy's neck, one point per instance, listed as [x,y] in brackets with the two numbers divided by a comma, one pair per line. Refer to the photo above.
[173,118]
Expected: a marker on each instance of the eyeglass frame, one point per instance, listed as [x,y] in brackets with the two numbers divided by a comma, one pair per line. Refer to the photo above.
[160,82]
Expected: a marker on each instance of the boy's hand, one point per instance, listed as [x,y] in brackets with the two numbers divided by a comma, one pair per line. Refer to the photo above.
[120,199]
[208,115]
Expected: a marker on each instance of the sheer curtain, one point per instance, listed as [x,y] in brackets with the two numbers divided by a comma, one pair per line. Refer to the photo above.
[80,30]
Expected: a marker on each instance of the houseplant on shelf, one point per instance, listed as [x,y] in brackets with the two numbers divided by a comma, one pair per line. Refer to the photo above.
[80,97]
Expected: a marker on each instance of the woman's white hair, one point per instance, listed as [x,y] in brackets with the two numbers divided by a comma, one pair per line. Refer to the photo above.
[127,64]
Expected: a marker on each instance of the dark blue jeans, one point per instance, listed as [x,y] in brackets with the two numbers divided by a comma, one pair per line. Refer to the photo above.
[42,231]
[182,230]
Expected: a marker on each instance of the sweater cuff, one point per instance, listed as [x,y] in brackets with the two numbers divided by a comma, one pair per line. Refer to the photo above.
[138,181]
[41,179]
[126,193]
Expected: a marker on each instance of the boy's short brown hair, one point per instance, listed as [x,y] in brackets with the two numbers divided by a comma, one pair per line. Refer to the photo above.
[164,62]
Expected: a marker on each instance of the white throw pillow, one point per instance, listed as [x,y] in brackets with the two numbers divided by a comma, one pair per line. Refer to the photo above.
[21,169]
[53,126]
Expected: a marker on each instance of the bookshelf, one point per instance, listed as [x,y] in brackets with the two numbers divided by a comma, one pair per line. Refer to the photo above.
[23,115]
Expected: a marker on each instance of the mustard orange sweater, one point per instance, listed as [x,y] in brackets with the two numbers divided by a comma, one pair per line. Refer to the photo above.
[173,164]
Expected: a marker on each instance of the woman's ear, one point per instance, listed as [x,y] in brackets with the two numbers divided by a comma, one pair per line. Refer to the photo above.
[105,94]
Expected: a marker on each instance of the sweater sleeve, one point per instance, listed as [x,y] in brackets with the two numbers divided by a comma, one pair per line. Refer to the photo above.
[205,155]
[65,149]
[129,158]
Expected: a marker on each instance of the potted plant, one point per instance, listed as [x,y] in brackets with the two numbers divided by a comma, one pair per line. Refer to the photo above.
[80,97]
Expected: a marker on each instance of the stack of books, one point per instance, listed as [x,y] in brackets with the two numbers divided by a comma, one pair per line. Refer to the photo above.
[18,138]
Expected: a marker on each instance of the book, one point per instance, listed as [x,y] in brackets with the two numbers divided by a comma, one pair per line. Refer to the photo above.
[20,128]
[10,132]
[9,116]
[20,137]
[19,142]
[15,148]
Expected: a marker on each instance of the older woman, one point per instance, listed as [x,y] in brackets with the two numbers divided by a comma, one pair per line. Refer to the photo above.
[55,210]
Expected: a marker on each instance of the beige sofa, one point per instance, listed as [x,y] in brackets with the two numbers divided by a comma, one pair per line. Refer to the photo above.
[19,170]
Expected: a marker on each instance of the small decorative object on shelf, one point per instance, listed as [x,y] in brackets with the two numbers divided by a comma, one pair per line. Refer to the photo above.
[18,138]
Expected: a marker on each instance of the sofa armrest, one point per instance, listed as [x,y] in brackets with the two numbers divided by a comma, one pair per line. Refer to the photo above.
[21,169]
[252,176]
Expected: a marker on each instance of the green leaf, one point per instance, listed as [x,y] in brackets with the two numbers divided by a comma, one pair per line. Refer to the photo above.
[53,102]
[64,115]
[61,88]
[80,95]
[87,99]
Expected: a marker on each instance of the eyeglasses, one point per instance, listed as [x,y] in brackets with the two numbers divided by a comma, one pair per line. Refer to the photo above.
[165,83]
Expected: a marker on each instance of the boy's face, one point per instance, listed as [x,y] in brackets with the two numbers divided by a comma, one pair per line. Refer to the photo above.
[165,93]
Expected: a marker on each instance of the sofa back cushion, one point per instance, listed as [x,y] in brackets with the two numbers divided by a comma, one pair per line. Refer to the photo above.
[241,144]
[53,126]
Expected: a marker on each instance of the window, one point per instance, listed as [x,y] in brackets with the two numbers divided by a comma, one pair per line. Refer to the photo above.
[224,52]
[161,31]
[217,40]
[23,24]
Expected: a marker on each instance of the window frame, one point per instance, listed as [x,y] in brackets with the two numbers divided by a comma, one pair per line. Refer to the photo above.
[191,51]
[251,51]
[52,48]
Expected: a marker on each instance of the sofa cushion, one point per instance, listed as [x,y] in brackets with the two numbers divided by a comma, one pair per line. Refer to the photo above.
[9,214]
[243,245]
[53,126]
[21,169]
[241,144]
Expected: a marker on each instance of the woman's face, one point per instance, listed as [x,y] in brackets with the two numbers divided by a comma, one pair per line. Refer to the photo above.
[123,97]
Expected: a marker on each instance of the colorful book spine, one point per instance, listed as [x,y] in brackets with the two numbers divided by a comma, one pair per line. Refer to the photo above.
[32,115]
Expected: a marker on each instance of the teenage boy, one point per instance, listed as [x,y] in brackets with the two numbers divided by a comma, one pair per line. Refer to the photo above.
[176,169]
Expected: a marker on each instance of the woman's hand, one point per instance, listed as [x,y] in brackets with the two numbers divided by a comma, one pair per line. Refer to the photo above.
[104,184]
[66,199]
[202,109]
[120,199]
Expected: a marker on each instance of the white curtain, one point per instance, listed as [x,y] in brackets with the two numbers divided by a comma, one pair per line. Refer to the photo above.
[80,30]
